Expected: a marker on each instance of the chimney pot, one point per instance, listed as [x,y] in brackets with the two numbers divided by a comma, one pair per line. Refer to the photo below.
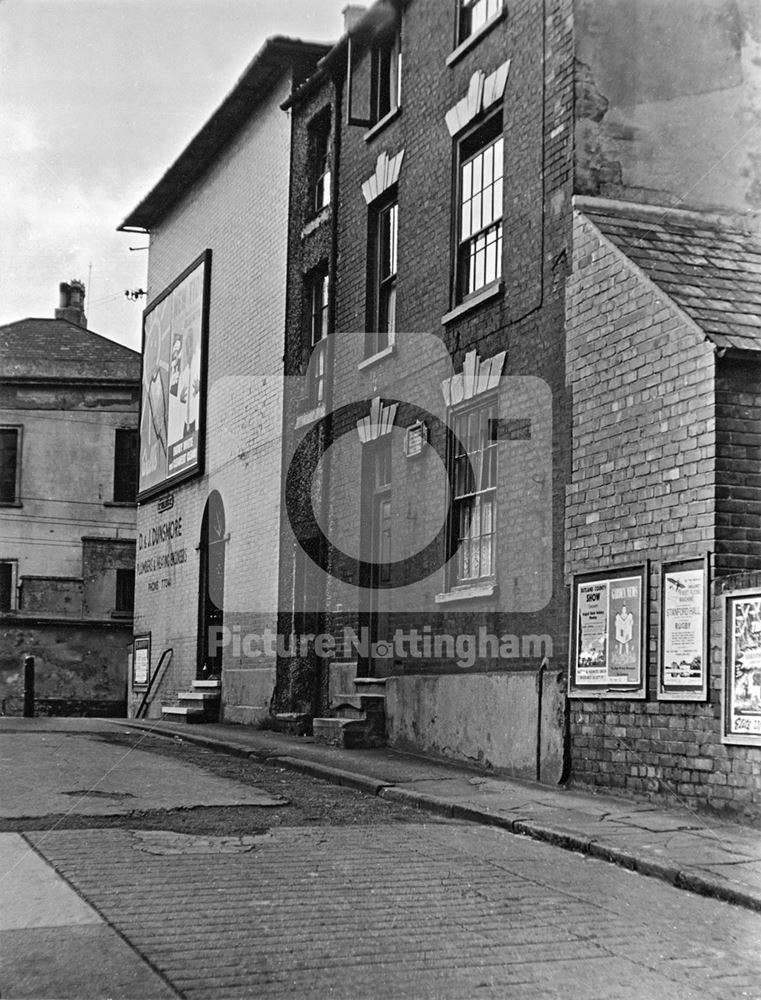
[72,303]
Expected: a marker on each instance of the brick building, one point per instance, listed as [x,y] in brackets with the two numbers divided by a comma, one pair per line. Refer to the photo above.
[68,460]
[618,273]
[209,511]
[518,308]
[464,335]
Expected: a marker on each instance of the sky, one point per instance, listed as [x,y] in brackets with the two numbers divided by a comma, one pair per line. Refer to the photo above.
[97,100]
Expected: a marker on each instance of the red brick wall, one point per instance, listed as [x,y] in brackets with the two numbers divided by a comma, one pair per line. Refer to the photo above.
[645,436]
[738,465]
[527,320]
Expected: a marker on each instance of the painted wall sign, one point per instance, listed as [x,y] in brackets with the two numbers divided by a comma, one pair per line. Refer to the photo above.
[742,668]
[174,367]
[683,673]
[160,552]
[608,634]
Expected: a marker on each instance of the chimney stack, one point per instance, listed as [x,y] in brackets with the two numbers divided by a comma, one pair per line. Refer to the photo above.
[353,14]
[72,305]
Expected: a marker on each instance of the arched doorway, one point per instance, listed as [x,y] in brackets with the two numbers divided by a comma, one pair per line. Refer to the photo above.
[211,588]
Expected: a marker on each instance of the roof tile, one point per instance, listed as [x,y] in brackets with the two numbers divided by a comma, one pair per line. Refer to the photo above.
[709,266]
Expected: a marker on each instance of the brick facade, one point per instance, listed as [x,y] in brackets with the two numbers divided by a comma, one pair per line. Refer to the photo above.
[525,319]
[663,441]
[629,435]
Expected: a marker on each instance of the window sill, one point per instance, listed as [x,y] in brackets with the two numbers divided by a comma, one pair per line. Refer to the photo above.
[485,294]
[387,352]
[11,503]
[309,417]
[472,593]
[120,503]
[379,126]
[315,221]
[476,37]
[123,616]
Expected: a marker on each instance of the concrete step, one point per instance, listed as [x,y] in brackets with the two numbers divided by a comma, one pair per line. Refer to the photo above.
[182,713]
[362,702]
[293,723]
[215,684]
[370,685]
[343,710]
[206,701]
[349,734]
[199,697]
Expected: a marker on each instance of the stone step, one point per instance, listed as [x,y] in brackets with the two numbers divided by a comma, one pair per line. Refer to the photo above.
[215,684]
[343,710]
[199,696]
[370,685]
[207,702]
[182,713]
[349,734]
[292,723]
[362,702]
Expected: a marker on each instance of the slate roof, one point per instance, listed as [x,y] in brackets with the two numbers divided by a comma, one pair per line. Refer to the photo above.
[709,265]
[57,349]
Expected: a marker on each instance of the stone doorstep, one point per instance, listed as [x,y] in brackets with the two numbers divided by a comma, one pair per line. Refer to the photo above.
[202,696]
[182,713]
[347,733]
[360,701]
[212,685]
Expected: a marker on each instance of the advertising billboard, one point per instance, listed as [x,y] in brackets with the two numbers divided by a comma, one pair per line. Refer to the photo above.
[174,373]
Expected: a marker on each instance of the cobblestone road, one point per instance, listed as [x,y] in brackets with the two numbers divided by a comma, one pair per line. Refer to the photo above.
[410,910]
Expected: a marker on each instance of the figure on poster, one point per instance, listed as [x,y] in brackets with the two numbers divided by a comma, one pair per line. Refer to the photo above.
[624,630]
[153,421]
[191,379]
[176,419]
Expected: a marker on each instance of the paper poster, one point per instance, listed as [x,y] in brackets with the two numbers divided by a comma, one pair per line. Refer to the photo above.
[607,629]
[683,612]
[743,676]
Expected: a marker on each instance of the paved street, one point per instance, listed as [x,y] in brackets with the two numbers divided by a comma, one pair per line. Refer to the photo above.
[330,893]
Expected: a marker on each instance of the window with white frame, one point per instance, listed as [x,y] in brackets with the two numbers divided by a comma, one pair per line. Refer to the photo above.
[382,260]
[479,196]
[474,477]
[474,15]
[10,449]
[318,292]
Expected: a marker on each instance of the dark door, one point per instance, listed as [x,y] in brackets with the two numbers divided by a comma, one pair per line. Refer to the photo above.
[211,588]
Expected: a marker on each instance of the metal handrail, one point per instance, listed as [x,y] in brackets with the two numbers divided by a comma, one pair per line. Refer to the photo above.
[164,661]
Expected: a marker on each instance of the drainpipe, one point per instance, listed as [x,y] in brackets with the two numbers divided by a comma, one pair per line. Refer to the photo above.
[539,689]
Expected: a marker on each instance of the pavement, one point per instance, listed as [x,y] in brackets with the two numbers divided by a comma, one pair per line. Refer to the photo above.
[49,934]
[689,850]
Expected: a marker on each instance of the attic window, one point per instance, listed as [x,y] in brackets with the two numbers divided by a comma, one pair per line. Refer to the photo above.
[375,79]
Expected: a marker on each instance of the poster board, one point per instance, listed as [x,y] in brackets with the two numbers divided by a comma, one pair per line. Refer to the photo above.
[683,647]
[741,688]
[141,661]
[608,641]
[173,396]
